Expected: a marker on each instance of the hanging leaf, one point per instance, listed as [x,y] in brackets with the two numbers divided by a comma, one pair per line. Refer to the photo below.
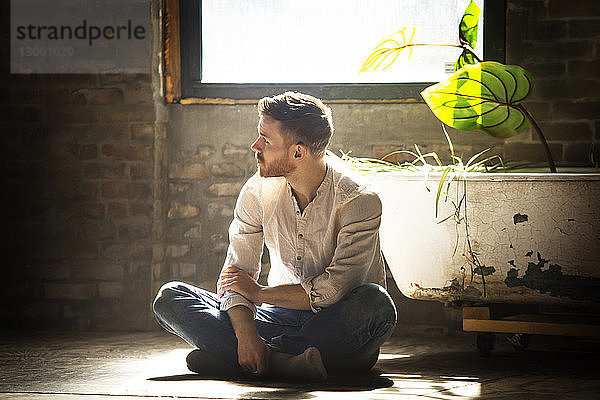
[467,29]
[390,46]
[482,97]
[467,34]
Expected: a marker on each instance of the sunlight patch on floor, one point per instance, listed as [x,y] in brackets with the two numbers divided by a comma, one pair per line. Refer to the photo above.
[444,387]
[387,356]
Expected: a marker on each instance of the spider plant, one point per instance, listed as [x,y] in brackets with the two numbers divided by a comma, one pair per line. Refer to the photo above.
[430,163]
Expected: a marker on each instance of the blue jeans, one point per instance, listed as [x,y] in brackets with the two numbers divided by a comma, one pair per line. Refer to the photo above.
[348,333]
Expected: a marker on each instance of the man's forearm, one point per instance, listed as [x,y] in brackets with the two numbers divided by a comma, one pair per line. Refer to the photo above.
[239,281]
[288,296]
[252,351]
[242,320]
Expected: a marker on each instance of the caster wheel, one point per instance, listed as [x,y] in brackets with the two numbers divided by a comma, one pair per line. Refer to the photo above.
[520,341]
[485,343]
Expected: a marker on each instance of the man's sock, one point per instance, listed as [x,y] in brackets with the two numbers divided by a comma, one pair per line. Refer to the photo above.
[307,366]
[202,363]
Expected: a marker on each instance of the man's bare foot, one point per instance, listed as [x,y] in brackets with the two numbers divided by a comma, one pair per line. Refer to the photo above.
[307,367]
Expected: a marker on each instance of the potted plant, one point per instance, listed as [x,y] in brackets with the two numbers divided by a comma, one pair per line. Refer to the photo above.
[456,233]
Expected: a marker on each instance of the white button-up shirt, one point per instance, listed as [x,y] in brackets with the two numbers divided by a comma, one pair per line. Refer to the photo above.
[330,248]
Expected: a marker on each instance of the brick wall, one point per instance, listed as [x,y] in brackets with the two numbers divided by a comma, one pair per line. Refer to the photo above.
[204,181]
[559,43]
[102,203]
[78,204]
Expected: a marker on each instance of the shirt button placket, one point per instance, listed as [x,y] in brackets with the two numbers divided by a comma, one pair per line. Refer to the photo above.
[300,243]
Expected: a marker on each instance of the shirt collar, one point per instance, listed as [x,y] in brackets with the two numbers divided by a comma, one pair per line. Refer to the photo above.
[326,181]
[324,184]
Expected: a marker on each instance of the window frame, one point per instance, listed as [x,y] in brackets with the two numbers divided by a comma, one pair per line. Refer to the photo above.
[183,58]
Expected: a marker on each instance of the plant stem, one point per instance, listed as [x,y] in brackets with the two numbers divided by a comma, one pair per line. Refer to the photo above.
[470,50]
[464,47]
[538,131]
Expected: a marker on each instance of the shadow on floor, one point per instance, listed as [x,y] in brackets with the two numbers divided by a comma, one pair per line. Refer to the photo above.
[348,382]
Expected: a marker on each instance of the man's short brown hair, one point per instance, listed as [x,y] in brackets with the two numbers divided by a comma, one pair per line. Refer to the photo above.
[303,117]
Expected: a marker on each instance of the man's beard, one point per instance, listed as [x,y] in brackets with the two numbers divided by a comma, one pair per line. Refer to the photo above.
[279,167]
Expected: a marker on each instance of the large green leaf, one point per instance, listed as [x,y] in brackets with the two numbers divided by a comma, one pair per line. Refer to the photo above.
[482,97]
[467,34]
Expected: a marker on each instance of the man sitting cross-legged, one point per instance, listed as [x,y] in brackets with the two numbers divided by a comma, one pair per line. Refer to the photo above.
[325,308]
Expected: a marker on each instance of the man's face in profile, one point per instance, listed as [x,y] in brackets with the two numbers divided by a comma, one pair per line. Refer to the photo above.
[274,154]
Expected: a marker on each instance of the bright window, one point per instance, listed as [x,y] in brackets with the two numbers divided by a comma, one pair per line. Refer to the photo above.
[326,41]
[246,49]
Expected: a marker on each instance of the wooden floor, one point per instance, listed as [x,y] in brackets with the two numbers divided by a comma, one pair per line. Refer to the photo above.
[116,366]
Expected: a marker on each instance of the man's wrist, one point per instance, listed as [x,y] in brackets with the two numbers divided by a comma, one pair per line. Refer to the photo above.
[248,336]
[260,295]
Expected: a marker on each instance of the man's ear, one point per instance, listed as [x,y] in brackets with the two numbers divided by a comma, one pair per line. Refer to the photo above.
[299,151]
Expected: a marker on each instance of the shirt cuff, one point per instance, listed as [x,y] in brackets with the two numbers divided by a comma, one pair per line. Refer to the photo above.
[314,297]
[232,299]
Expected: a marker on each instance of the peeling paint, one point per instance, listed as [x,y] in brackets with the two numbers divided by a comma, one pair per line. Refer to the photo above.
[491,223]
[520,218]
[553,282]
[452,292]
[486,270]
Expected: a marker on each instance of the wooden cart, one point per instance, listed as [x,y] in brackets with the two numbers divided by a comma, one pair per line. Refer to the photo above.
[477,319]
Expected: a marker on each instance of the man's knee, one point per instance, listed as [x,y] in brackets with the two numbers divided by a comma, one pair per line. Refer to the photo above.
[165,297]
[376,299]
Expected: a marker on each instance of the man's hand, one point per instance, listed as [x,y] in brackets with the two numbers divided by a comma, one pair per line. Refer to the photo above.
[239,281]
[253,354]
